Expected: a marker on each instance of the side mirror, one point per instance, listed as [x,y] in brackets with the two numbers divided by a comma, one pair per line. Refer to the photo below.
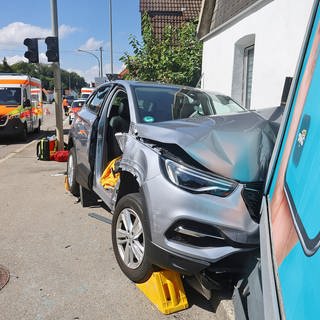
[26,103]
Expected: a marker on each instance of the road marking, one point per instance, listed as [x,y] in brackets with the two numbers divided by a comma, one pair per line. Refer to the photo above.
[11,154]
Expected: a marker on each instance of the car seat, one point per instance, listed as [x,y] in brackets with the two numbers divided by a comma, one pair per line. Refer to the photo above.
[119,123]
[186,110]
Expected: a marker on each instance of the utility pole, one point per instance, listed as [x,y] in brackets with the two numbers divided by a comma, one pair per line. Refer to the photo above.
[110,27]
[57,80]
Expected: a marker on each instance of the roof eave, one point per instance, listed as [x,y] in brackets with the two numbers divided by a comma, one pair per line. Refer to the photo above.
[205,17]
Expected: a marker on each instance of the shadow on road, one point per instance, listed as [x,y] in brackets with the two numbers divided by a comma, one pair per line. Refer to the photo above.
[7,140]
[195,298]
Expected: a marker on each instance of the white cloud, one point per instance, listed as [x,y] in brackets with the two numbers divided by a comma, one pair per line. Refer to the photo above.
[91,44]
[89,74]
[65,30]
[15,59]
[43,58]
[12,35]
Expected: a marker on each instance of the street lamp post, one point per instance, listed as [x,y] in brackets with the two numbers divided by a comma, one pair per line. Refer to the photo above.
[101,67]
[99,62]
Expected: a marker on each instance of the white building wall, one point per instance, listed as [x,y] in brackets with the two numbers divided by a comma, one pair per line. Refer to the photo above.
[279,29]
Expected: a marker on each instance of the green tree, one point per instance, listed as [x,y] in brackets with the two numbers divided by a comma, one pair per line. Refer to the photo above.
[45,74]
[175,58]
[4,67]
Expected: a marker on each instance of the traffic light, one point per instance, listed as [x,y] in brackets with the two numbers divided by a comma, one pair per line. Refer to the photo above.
[32,54]
[52,49]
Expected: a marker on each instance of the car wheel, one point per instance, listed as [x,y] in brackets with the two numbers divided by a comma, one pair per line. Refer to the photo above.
[71,173]
[129,238]
[37,130]
[24,134]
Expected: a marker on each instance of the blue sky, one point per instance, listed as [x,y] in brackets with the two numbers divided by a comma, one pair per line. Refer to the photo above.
[82,24]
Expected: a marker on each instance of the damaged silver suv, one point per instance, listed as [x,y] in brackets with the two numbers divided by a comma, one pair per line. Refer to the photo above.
[188,177]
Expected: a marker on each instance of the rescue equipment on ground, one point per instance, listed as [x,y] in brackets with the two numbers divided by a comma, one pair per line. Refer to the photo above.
[61,156]
[110,176]
[47,150]
[165,290]
[53,144]
[43,150]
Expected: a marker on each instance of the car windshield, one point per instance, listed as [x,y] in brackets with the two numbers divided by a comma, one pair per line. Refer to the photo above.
[10,96]
[156,104]
[224,104]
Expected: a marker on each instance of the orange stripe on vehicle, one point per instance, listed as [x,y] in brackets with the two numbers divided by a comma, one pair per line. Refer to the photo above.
[5,110]
[16,81]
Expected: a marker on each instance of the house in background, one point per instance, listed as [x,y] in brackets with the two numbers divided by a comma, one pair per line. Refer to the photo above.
[250,47]
[169,12]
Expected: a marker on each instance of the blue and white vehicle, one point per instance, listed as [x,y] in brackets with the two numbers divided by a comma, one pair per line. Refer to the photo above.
[285,282]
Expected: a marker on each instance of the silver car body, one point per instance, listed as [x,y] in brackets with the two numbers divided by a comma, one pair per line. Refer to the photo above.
[235,147]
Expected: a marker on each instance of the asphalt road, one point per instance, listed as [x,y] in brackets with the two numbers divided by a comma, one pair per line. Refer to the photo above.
[10,145]
[60,255]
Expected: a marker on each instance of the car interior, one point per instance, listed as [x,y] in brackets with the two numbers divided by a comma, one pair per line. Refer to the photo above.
[118,121]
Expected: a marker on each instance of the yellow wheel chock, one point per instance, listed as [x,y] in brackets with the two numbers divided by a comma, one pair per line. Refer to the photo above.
[66,183]
[165,290]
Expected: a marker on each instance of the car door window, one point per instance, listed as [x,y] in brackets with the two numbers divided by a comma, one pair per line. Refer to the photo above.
[95,103]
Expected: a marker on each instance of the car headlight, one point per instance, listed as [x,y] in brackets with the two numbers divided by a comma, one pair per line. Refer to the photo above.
[197,181]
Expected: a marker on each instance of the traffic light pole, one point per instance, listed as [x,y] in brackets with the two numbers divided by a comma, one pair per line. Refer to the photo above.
[57,81]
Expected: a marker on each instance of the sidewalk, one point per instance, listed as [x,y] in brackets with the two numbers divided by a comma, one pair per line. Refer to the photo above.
[60,258]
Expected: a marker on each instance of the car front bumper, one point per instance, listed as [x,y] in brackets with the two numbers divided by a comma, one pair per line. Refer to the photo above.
[12,127]
[189,232]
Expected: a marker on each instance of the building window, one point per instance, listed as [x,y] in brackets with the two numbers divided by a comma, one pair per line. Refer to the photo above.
[243,70]
[247,75]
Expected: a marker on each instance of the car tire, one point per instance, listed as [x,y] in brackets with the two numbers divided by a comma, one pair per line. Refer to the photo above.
[24,133]
[87,197]
[37,130]
[130,244]
[71,173]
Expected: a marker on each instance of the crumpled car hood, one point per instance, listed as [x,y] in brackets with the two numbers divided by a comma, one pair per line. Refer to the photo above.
[237,146]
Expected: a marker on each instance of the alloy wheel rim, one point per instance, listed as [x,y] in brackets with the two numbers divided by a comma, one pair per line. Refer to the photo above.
[130,238]
[70,170]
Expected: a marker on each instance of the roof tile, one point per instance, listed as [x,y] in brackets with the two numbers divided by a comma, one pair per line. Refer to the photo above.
[170,12]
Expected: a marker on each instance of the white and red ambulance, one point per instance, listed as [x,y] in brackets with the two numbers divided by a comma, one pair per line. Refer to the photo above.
[21,109]
[85,92]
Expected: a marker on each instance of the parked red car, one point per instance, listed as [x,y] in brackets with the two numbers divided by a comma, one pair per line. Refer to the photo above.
[75,107]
